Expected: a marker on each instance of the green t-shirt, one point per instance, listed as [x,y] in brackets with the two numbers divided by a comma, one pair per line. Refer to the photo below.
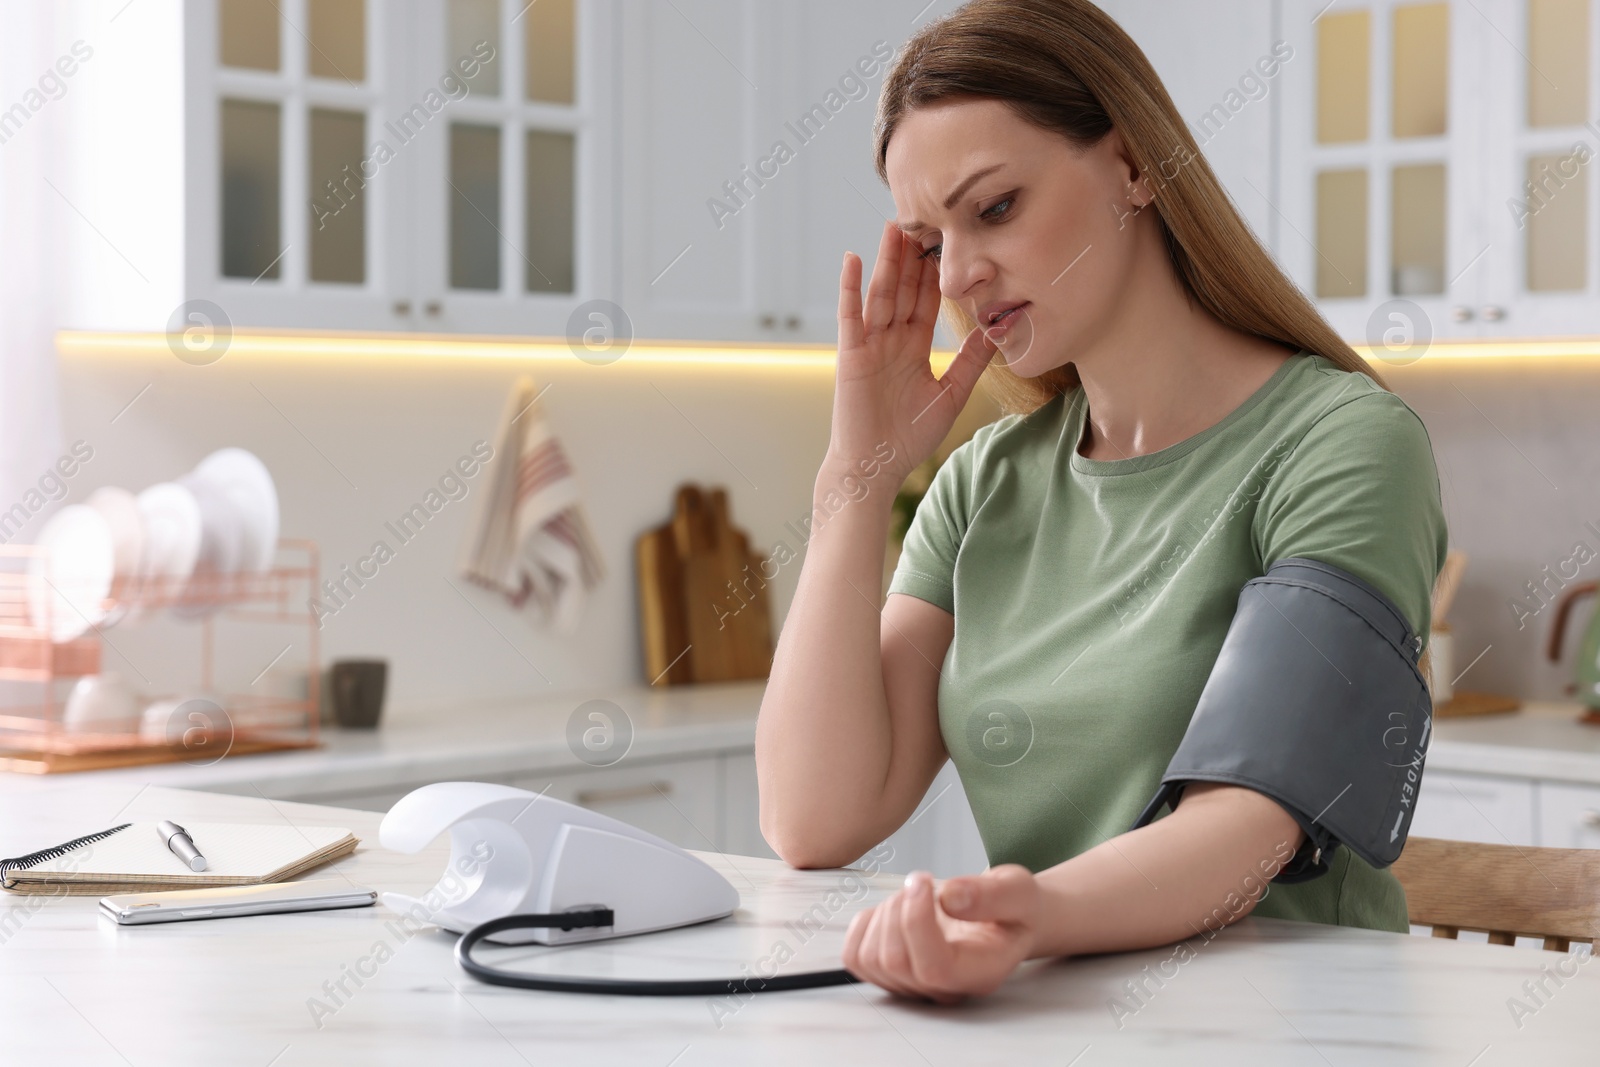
[1091,598]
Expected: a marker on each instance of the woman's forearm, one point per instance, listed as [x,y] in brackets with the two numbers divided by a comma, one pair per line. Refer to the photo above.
[848,736]
[823,739]
[1202,867]
[1199,869]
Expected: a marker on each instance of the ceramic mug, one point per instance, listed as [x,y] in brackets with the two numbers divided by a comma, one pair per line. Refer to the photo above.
[355,689]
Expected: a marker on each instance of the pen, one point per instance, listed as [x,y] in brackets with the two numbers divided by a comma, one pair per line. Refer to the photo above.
[181,844]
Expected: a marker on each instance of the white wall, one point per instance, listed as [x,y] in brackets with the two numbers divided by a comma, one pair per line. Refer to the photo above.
[32,143]
[355,442]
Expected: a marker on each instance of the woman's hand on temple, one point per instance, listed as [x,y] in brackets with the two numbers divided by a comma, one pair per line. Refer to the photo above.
[959,939]
[885,391]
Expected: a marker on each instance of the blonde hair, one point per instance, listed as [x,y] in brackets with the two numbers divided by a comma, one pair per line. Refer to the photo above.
[1066,66]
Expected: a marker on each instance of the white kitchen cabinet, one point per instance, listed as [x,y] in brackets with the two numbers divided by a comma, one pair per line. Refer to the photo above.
[746,161]
[270,105]
[415,165]
[419,164]
[1541,170]
[511,202]
[741,811]
[1569,815]
[1469,807]
[829,198]
[674,799]
[690,125]
[1209,57]
[941,836]
[360,799]
[1382,120]
[1407,135]
[677,210]
[725,237]
[677,799]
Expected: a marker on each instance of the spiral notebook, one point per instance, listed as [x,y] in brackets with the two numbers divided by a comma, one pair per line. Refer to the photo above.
[134,854]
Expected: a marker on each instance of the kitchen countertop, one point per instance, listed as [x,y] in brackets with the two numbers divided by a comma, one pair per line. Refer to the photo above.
[258,991]
[470,741]
[1544,740]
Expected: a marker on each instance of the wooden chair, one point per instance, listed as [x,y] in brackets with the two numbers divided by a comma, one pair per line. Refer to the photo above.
[1503,890]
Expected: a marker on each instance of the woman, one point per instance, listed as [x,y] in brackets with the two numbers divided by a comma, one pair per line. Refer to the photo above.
[1180,417]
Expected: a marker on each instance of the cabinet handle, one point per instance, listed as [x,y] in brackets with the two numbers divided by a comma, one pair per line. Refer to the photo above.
[433,308]
[792,322]
[402,307]
[588,798]
[1591,819]
[1493,314]
[769,321]
[1461,314]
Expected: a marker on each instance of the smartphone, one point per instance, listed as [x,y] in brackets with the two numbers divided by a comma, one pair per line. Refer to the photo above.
[226,901]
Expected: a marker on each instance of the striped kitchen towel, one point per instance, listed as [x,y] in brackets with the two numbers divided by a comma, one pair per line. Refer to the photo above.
[529,539]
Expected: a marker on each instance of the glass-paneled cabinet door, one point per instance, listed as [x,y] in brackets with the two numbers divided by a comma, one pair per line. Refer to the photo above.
[1543,168]
[295,210]
[1379,193]
[512,188]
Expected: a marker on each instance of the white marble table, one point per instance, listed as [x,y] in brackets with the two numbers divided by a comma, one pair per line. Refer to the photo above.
[77,989]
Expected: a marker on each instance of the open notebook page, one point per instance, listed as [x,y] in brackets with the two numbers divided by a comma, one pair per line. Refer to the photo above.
[249,852]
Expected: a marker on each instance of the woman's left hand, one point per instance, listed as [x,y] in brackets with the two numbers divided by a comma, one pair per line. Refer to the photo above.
[962,939]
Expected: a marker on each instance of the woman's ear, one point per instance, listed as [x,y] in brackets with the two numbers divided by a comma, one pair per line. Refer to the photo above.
[1135,185]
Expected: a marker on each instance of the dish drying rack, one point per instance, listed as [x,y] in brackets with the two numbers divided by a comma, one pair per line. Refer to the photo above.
[33,737]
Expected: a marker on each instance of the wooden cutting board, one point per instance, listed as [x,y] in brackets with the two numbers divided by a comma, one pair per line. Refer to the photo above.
[704,612]
[1463,703]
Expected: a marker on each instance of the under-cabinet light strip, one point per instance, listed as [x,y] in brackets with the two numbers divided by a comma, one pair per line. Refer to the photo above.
[641,353]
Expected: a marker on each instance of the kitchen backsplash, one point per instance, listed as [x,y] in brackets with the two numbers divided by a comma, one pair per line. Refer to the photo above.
[1518,448]
[355,442]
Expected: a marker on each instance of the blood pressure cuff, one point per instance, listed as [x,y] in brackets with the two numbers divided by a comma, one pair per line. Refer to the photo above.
[1316,701]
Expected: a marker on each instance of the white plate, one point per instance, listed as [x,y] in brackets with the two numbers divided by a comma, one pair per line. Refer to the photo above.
[121,511]
[221,528]
[69,582]
[161,720]
[222,533]
[247,483]
[172,530]
[101,702]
